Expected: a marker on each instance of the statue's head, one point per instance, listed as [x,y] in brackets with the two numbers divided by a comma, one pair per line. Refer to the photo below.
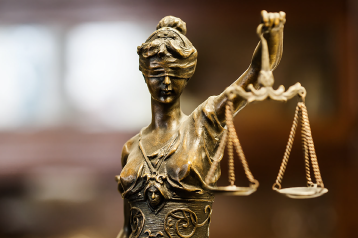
[155,194]
[167,60]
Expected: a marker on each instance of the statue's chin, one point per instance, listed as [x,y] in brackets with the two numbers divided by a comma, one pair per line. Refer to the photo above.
[164,100]
[154,203]
[167,99]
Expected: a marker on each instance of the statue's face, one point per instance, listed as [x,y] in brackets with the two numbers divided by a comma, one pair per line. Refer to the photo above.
[154,196]
[166,89]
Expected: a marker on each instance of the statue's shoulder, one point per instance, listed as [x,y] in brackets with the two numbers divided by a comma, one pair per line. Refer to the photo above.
[127,147]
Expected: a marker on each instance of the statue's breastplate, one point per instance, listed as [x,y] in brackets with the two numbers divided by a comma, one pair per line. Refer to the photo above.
[157,211]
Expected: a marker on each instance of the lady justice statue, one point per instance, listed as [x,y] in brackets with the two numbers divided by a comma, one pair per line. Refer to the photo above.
[164,166]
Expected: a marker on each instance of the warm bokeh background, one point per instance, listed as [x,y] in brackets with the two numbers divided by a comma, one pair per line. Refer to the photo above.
[71,95]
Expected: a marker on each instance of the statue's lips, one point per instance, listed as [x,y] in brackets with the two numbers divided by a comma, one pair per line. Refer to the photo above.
[167,92]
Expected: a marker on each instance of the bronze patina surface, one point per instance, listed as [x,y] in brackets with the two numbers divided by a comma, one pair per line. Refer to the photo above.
[165,165]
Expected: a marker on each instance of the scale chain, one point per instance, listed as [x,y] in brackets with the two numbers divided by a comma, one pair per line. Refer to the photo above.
[308,148]
[305,149]
[232,139]
[230,146]
[239,151]
[314,161]
[288,150]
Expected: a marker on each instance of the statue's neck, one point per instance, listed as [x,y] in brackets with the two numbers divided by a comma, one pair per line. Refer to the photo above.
[166,116]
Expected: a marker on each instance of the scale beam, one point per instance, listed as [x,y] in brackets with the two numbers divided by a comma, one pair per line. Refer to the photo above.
[268,93]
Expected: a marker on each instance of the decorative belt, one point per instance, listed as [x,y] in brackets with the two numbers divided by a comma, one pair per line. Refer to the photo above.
[177,218]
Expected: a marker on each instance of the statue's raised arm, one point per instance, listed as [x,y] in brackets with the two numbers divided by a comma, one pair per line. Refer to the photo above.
[273,33]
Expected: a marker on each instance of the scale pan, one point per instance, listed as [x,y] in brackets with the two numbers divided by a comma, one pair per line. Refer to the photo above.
[303,192]
[232,190]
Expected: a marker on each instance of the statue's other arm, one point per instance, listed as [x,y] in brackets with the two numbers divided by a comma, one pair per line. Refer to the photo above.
[274,23]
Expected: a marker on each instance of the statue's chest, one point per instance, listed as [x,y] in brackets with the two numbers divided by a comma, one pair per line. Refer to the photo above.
[176,165]
[173,162]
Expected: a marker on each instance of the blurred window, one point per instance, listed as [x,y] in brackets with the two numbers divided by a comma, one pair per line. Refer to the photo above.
[103,80]
[86,75]
[28,77]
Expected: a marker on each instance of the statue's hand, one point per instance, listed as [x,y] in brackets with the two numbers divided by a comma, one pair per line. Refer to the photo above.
[273,32]
[273,21]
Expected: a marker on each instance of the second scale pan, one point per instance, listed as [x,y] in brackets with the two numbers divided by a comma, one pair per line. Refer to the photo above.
[303,192]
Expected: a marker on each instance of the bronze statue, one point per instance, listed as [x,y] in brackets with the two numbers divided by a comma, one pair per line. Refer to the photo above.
[165,165]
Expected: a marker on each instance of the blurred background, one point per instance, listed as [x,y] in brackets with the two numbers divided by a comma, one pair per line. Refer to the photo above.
[71,95]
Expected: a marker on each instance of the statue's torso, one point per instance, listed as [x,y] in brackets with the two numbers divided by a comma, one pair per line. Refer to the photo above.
[165,190]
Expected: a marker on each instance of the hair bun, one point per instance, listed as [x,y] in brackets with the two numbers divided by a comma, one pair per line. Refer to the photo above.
[173,22]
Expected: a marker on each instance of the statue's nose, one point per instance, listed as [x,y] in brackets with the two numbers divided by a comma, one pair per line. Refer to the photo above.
[167,80]
[153,195]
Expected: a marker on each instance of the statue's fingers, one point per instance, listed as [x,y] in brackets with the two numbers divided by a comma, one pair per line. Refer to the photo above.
[264,17]
[276,19]
[271,19]
[282,17]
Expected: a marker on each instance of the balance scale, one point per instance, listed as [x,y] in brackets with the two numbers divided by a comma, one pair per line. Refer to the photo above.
[231,139]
